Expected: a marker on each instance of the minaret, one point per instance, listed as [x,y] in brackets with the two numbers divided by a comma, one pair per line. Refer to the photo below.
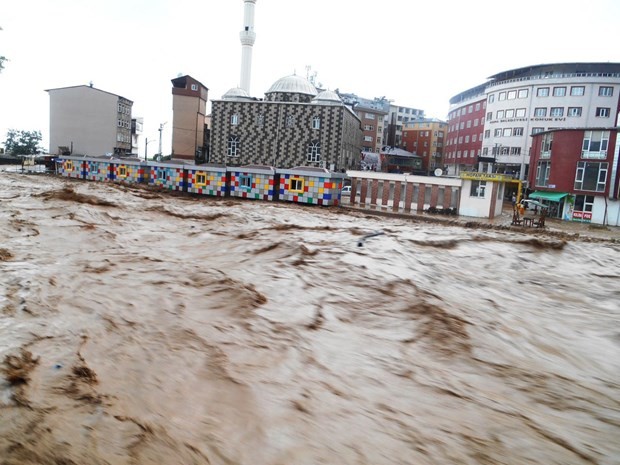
[248,36]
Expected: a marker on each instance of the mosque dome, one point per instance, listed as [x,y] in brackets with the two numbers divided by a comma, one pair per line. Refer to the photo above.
[236,93]
[293,85]
[327,97]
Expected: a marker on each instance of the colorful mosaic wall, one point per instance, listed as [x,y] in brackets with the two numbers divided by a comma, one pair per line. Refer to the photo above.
[126,172]
[169,177]
[253,184]
[96,170]
[309,187]
[206,182]
[71,167]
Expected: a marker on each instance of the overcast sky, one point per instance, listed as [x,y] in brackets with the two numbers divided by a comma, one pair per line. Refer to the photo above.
[417,53]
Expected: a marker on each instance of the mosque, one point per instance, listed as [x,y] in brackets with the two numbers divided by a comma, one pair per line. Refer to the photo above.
[293,125]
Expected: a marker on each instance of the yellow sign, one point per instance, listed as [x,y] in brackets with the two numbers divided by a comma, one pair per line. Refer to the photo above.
[486,176]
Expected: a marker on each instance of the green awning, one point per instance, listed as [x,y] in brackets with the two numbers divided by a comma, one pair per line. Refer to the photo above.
[553,196]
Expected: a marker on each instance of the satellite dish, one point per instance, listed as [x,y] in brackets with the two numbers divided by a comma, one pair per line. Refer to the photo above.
[438,172]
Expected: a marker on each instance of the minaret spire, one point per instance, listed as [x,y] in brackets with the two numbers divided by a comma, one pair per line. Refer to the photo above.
[248,36]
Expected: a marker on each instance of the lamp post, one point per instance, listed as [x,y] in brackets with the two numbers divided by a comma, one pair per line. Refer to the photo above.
[161,129]
[146,148]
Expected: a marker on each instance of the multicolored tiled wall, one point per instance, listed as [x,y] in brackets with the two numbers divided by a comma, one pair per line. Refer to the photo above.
[96,170]
[167,177]
[127,172]
[71,168]
[310,189]
[253,184]
[206,182]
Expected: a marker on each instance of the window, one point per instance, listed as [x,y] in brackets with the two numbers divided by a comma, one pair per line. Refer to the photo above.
[520,113]
[477,106]
[296,185]
[367,138]
[194,87]
[584,203]
[122,171]
[489,116]
[577,91]
[369,127]
[260,120]
[540,112]
[542,173]
[547,143]
[487,133]
[512,95]
[233,146]
[466,139]
[201,178]
[517,131]
[500,114]
[477,188]
[557,111]
[559,91]
[602,112]
[314,152]
[537,130]
[290,121]
[605,91]
[161,174]
[542,92]
[469,123]
[234,119]
[316,122]
[591,176]
[507,132]
[523,93]
[245,181]
[68,165]
[491,98]
[573,111]
[474,138]
[595,144]
[369,116]
[470,109]
[476,122]
[498,132]
[502,96]
[510,113]
[515,150]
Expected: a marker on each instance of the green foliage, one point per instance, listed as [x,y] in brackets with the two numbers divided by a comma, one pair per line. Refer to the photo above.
[23,142]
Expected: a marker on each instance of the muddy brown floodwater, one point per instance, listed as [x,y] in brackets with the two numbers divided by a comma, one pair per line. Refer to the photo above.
[143,328]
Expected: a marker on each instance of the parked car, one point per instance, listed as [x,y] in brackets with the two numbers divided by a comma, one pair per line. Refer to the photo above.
[346,190]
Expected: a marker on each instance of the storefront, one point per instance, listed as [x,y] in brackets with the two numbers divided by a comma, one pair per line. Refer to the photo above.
[555,201]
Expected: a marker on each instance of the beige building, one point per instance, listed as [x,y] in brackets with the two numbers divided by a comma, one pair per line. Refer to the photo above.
[89,121]
[190,136]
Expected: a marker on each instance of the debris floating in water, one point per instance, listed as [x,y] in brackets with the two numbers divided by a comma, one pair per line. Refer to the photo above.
[367,236]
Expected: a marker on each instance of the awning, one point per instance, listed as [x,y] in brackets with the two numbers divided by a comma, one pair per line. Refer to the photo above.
[553,196]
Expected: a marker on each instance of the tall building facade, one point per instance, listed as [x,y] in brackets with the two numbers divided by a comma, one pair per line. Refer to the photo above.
[372,113]
[85,120]
[294,125]
[394,121]
[525,101]
[190,136]
[426,139]
[466,131]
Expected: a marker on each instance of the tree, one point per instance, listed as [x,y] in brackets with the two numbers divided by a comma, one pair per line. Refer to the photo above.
[23,142]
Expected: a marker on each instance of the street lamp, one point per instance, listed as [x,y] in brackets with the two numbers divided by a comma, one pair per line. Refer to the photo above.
[161,129]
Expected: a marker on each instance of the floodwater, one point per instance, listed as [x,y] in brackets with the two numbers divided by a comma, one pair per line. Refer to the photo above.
[139,327]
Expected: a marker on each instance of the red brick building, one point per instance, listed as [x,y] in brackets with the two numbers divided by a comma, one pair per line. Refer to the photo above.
[576,173]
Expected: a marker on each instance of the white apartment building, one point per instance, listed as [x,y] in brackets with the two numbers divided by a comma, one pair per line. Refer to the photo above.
[526,101]
[85,120]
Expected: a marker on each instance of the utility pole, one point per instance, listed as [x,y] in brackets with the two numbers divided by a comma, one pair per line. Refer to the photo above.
[146,146]
[161,129]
